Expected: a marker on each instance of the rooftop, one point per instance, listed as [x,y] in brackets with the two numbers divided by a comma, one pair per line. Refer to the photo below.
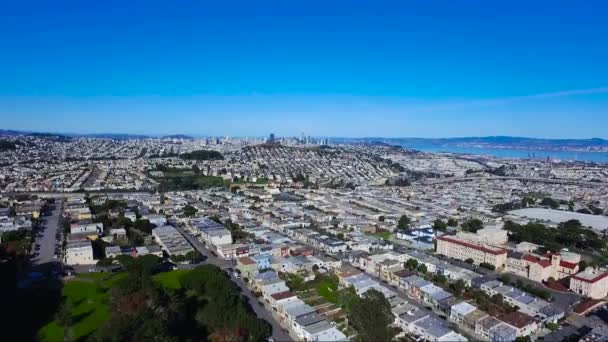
[485,248]
[517,319]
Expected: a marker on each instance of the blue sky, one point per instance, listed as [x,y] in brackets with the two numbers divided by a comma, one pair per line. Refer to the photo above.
[339,68]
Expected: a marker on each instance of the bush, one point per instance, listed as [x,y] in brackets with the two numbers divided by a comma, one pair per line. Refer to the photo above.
[488,266]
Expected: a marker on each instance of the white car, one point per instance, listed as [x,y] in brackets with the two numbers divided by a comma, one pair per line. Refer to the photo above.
[236,275]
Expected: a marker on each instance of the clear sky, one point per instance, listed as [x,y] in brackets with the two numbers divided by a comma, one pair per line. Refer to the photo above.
[339,68]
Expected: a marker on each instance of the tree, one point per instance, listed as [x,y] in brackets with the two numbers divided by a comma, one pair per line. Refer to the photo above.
[527,201]
[452,222]
[381,218]
[552,326]
[550,202]
[422,268]
[196,170]
[497,299]
[440,279]
[472,225]
[411,264]
[346,298]
[440,225]
[404,222]
[470,261]
[202,155]
[371,316]
[340,236]
[582,265]
[457,287]
[488,266]
[143,225]
[189,210]
[294,282]
[107,262]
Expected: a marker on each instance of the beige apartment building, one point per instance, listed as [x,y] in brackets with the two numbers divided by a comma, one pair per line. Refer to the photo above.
[541,268]
[461,249]
[491,235]
[592,283]
[79,252]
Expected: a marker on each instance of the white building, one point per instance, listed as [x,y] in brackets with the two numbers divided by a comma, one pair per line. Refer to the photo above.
[86,228]
[79,252]
[592,283]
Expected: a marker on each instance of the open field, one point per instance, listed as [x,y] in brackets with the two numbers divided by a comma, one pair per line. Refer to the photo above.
[87,294]
[170,279]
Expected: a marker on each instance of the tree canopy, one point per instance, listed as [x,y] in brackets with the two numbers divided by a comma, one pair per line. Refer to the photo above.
[189,210]
[208,306]
[202,155]
[404,222]
[371,316]
[472,225]
[569,234]
[439,224]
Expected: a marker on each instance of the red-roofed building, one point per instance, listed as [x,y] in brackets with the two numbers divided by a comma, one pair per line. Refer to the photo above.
[461,249]
[591,283]
[587,305]
[523,324]
[539,268]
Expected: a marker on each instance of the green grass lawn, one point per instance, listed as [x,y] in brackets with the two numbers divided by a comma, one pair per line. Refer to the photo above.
[88,296]
[384,235]
[88,301]
[327,290]
[170,279]
[178,173]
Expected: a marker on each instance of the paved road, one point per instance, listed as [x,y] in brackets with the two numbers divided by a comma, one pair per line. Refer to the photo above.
[46,239]
[277,330]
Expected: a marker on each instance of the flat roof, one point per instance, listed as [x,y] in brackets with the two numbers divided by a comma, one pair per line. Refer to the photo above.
[596,222]
[590,277]
[484,248]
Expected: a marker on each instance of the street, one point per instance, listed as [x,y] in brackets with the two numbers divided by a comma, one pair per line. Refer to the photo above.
[277,330]
[45,242]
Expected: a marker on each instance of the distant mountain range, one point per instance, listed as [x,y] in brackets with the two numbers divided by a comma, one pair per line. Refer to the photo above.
[115,136]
